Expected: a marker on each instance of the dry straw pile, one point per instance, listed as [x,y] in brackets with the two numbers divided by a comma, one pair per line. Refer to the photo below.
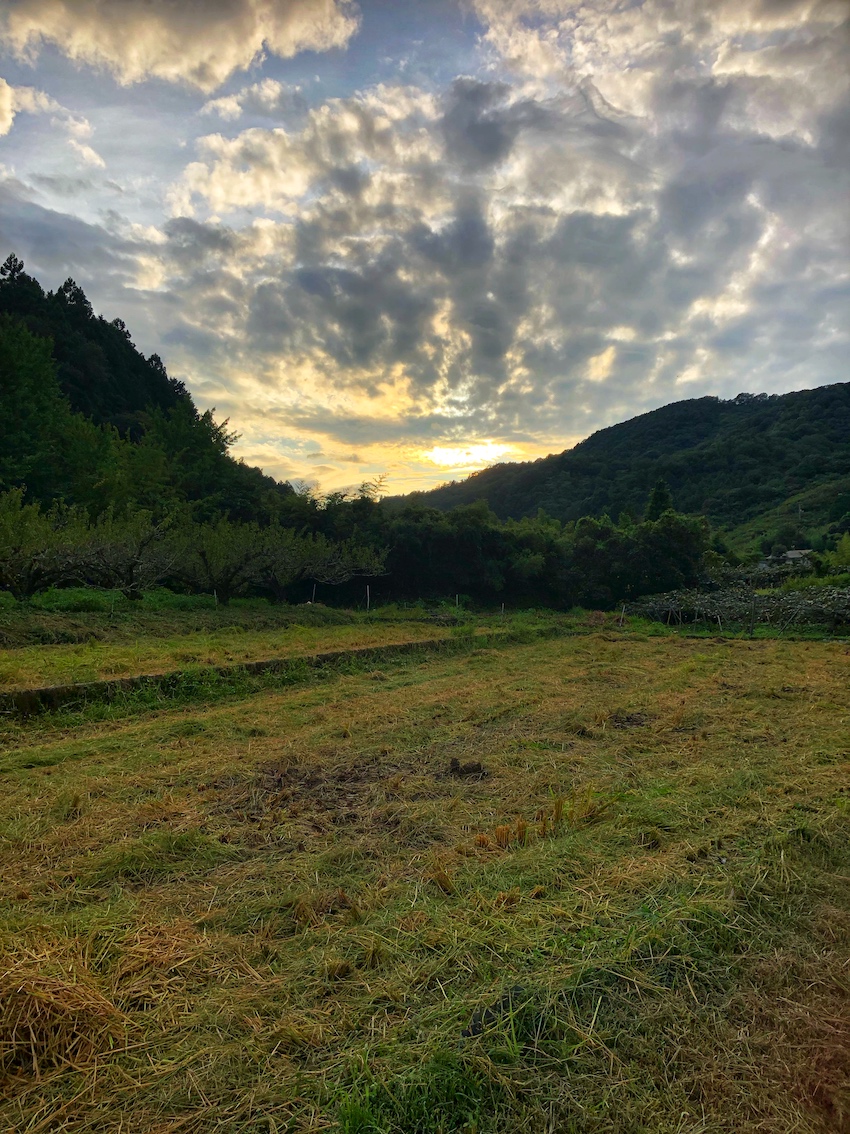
[47,1022]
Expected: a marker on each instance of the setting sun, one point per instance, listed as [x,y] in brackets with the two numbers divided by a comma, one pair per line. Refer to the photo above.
[477,455]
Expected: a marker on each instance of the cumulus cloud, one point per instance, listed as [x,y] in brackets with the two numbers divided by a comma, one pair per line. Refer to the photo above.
[615,207]
[787,60]
[198,44]
[514,247]
[266,99]
[15,99]
[341,139]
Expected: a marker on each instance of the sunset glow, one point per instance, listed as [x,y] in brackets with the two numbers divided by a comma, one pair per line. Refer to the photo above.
[469,456]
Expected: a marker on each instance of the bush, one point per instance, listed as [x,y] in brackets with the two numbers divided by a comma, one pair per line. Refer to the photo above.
[77,600]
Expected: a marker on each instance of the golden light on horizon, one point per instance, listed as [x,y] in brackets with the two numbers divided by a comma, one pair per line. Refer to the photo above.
[476,455]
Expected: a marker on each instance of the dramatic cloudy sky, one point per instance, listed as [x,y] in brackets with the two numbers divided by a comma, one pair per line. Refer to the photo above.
[418,236]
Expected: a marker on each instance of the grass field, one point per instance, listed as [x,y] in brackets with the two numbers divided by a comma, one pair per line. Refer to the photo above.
[588,884]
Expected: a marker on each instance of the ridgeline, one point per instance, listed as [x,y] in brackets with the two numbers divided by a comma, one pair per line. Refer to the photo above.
[730,461]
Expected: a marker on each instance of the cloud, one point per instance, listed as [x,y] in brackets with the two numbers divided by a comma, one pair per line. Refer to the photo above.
[470,265]
[786,59]
[87,154]
[57,244]
[7,108]
[273,168]
[266,99]
[14,100]
[197,44]
[609,210]
[481,122]
[28,99]
[62,185]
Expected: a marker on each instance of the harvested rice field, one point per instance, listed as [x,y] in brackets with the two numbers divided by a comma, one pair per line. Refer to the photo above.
[94,660]
[597,883]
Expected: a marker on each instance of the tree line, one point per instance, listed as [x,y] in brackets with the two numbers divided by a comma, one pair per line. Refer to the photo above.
[63,546]
[410,555]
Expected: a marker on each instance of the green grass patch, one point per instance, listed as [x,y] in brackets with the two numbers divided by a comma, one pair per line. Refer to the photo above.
[157,855]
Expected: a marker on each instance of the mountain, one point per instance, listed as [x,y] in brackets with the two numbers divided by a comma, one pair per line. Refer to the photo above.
[732,461]
[86,418]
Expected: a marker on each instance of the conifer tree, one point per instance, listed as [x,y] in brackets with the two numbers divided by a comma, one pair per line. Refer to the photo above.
[660,500]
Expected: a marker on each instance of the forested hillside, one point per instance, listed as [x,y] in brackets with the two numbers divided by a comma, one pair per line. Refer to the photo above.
[110,477]
[86,418]
[728,460]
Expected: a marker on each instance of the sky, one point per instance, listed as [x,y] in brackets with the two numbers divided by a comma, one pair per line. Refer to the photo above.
[411,238]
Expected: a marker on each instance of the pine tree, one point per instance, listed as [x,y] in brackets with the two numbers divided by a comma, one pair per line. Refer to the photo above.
[660,500]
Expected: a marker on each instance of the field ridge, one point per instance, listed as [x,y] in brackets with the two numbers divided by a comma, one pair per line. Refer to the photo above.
[47,698]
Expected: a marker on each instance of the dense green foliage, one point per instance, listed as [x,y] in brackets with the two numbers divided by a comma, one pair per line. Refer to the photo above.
[728,460]
[539,561]
[87,419]
[99,369]
[414,554]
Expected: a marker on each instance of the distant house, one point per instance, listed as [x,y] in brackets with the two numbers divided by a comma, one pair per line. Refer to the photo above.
[787,559]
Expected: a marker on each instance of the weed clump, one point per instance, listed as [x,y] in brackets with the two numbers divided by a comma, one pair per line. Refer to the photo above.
[160,854]
[445,1093]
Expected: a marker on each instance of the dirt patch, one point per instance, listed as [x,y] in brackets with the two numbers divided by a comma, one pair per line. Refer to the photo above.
[629,720]
[471,769]
[337,791]
[339,795]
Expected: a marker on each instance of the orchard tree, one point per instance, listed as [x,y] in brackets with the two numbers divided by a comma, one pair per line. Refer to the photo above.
[40,549]
[221,557]
[131,553]
[290,556]
[336,563]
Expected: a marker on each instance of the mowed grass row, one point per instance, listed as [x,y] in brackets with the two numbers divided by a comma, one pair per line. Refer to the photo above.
[31,666]
[583,884]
